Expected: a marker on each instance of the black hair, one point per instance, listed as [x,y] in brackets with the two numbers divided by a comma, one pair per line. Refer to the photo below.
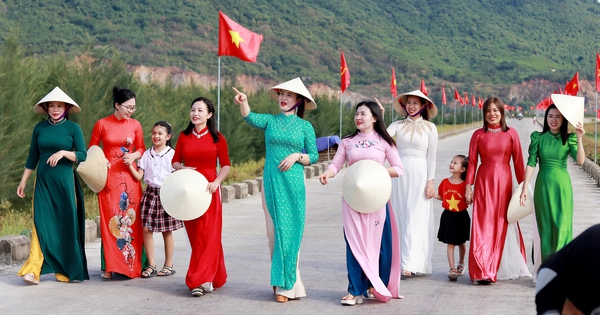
[486,106]
[67,108]
[302,100]
[379,125]
[210,123]
[167,127]
[465,164]
[564,133]
[121,96]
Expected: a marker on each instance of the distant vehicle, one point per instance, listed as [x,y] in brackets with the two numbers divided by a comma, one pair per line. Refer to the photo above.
[520,116]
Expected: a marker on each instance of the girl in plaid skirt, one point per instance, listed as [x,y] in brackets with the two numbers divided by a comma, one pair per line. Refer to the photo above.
[154,166]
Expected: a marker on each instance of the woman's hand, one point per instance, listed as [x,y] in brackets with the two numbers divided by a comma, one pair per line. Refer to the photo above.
[380,106]
[579,130]
[523,198]
[128,159]
[212,187]
[21,190]
[240,98]
[323,178]
[469,194]
[429,189]
[54,158]
[288,162]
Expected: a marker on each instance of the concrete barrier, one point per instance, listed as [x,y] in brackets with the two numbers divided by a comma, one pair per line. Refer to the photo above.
[91,231]
[308,172]
[13,249]
[241,190]
[252,186]
[227,193]
[260,183]
[592,169]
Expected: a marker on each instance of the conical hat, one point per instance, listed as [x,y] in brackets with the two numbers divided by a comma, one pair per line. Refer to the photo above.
[56,95]
[366,186]
[571,107]
[183,194]
[515,211]
[296,86]
[401,99]
[94,170]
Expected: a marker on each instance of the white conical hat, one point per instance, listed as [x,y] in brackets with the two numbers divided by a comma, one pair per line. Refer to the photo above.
[296,86]
[366,186]
[515,211]
[94,170]
[401,99]
[571,107]
[56,95]
[183,194]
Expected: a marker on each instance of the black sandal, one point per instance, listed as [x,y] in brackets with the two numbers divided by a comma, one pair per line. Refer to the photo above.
[166,271]
[149,272]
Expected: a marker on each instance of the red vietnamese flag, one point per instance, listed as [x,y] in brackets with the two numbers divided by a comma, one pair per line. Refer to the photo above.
[237,41]
[393,88]
[458,97]
[466,98]
[573,87]
[423,88]
[560,91]
[473,100]
[597,72]
[344,74]
[443,95]
[598,114]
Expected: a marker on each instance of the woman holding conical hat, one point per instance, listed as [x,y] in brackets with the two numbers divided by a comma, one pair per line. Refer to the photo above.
[553,194]
[496,250]
[290,145]
[372,247]
[412,193]
[122,141]
[58,236]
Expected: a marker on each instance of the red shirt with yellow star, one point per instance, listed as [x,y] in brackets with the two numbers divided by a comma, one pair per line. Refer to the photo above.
[453,195]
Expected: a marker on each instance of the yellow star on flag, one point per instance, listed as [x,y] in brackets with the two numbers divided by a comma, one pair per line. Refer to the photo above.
[452,203]
[236,38]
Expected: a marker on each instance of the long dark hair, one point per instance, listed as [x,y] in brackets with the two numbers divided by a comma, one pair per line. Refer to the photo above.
[564,134]
[121,96]
[486,106]
[210,123]
[67,109]
[167,127]
[465,164]
[379,125]
[302,100]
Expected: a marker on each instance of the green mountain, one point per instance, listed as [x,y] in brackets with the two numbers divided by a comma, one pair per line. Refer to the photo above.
[494,42]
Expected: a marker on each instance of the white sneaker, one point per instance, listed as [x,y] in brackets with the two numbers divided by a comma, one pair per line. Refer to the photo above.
[29,278]
[207,287]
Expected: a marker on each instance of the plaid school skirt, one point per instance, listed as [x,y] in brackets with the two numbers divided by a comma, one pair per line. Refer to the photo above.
[154,216]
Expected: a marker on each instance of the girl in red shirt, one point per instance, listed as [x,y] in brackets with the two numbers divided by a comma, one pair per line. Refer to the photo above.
[455,223]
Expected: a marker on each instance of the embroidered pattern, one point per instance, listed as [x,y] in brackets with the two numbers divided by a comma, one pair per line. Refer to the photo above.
[365,144]
[419,127]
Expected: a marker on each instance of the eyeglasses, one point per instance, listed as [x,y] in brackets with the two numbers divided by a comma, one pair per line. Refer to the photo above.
[129,108]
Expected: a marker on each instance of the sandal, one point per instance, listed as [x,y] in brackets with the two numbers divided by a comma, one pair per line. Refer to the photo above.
[106,275]
[166,271]
[197,291]
[452,274]
[407,273]
[149,272]
[460,269]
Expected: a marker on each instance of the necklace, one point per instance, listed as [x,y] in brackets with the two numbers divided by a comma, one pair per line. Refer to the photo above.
[497,130]
[199,135]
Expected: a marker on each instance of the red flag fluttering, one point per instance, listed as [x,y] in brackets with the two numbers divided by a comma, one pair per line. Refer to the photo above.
[573,87]
[423,88]
[598,114]
[597,72]
[466,98]
[473,100]
[443,95]
[237,41]
[458,97]
[344,74]
[393,88]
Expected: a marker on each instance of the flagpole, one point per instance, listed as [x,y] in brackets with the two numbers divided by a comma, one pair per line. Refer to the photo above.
[442,115]
[465,119]
[341,93]
[596,130]
[219,96]
[454,115]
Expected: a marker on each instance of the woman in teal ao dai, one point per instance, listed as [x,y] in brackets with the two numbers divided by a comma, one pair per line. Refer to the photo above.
[553,193]
[287,137]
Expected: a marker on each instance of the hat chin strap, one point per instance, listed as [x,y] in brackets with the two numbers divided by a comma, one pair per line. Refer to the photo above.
[67,108]
[415,114]
[297,104]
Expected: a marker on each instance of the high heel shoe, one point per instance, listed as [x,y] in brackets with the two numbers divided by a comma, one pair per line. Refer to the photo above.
[281,298]
[352,301]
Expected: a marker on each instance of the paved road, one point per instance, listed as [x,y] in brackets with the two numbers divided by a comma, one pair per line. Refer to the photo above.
[322,264]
